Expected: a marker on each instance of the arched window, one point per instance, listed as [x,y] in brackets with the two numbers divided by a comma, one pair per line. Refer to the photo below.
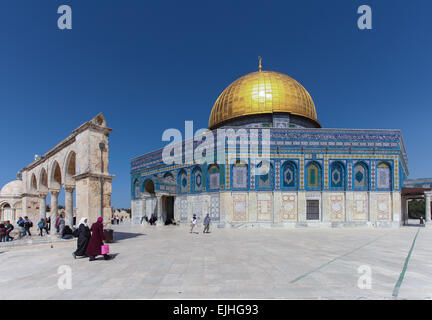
[361,176]
[214,177]
[289,175]
[239,175]
[197,179]
[337,175]
[264,180]
[313,175]
[182,181]
[168,176]
[383,176]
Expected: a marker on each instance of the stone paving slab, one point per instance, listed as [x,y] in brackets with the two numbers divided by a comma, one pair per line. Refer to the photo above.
[170,263]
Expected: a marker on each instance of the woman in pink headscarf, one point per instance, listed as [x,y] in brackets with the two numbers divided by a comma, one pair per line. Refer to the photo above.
[96,240]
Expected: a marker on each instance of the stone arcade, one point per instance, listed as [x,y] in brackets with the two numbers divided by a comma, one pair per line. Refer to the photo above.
[77,164]
[318,176]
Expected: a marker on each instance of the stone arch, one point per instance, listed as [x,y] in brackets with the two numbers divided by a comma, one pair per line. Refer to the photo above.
[148,187]
[55,177]
[74,165]
[33,183]
[5,205]
[70,168]
[6,211]
[43,180]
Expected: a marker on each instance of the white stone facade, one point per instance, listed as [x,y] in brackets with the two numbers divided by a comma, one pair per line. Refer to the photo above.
[77,164]
[281,208]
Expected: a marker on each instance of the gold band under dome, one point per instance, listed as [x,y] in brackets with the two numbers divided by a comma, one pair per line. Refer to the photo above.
[262,92]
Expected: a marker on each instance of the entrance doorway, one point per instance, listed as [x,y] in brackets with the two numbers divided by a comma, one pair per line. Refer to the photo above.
[312,210]
[168,209]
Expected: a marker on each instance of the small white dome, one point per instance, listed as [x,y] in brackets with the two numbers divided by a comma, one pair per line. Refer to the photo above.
[12,189]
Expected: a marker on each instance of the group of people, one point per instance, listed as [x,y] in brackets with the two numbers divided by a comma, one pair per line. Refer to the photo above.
[206,222]
[6,228]
[90,240]
[116,219]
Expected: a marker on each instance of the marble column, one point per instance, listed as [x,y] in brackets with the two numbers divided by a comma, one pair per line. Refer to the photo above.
[69,205]
[159,211]
[428,206]
[42,205]
[54,209]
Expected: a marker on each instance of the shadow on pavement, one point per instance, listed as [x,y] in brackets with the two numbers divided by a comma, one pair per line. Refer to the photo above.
[112,257]
[119,236]
[413,225]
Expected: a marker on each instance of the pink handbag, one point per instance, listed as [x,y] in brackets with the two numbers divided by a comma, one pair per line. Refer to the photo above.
[105,249]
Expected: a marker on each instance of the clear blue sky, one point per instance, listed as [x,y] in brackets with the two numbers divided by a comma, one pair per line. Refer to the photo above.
[151,65]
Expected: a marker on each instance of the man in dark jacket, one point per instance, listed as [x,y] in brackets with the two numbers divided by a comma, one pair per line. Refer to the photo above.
[27,225]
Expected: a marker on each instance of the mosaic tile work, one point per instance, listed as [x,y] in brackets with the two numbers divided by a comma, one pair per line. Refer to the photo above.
[240,176]
[183,210]
[264,206]
[383,207]
[337,207]
[277,174]
[360,206]
[197,207]
[239,207]
[289,207]
[326,172]
[214,208]
[302,172]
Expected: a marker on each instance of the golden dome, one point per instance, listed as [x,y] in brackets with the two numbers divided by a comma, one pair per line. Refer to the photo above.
[262,92]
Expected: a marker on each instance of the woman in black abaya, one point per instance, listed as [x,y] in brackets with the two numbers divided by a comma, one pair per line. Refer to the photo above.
[83,238]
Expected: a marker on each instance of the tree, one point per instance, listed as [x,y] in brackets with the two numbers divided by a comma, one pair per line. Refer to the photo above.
[416,209]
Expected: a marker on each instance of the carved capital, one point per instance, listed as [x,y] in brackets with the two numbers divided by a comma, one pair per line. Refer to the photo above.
[43,194]
[68,188]
[54,193]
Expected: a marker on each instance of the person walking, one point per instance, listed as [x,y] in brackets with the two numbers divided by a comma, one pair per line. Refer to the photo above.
[207,224]
[96,241]
[61,224]
[2,232]
[57,224]
[42,226]
[193,222]
[20,224]
[28,224]
[9,228]
[48,223]
[84,235]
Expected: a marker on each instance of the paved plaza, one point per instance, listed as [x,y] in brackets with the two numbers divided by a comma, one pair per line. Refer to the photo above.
[274,263]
